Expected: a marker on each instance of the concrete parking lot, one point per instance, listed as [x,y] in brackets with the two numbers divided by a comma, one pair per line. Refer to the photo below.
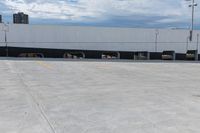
[59,96]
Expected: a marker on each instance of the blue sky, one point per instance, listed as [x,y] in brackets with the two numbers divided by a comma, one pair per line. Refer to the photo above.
[119,13]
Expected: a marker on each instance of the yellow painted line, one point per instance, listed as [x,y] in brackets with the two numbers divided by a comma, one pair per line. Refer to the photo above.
[45,65]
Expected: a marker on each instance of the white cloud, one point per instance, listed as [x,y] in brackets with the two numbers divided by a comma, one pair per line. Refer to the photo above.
[96,10]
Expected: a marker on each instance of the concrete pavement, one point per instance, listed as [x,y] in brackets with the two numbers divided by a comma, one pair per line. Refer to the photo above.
[39,96]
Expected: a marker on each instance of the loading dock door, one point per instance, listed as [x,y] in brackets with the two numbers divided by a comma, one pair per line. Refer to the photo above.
[168,55]
[110,55]
[74,55]
[141,56]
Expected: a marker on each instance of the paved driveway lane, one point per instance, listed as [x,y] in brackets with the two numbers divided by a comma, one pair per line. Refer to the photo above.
[99,97]
[18,111]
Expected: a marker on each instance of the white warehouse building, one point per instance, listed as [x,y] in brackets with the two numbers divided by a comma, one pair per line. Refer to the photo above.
[84,38]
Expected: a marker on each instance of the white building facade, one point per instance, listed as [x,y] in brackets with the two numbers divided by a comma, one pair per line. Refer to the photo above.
[97,38]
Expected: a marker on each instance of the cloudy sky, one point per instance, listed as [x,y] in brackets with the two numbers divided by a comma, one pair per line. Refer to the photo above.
[123,13]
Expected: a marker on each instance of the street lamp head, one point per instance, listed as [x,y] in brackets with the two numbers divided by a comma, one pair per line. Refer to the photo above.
[157,31]
[194,4]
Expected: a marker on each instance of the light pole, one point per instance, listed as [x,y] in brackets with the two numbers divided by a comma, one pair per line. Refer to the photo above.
[193,4]
[197,42]
[156,40]
[6,29]
[187,41]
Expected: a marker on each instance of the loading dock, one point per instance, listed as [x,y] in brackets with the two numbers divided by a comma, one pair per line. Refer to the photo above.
[192,55]
[110,55]
[141,55]
[31,55]
[97,54]
[74,55]
[168,55]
